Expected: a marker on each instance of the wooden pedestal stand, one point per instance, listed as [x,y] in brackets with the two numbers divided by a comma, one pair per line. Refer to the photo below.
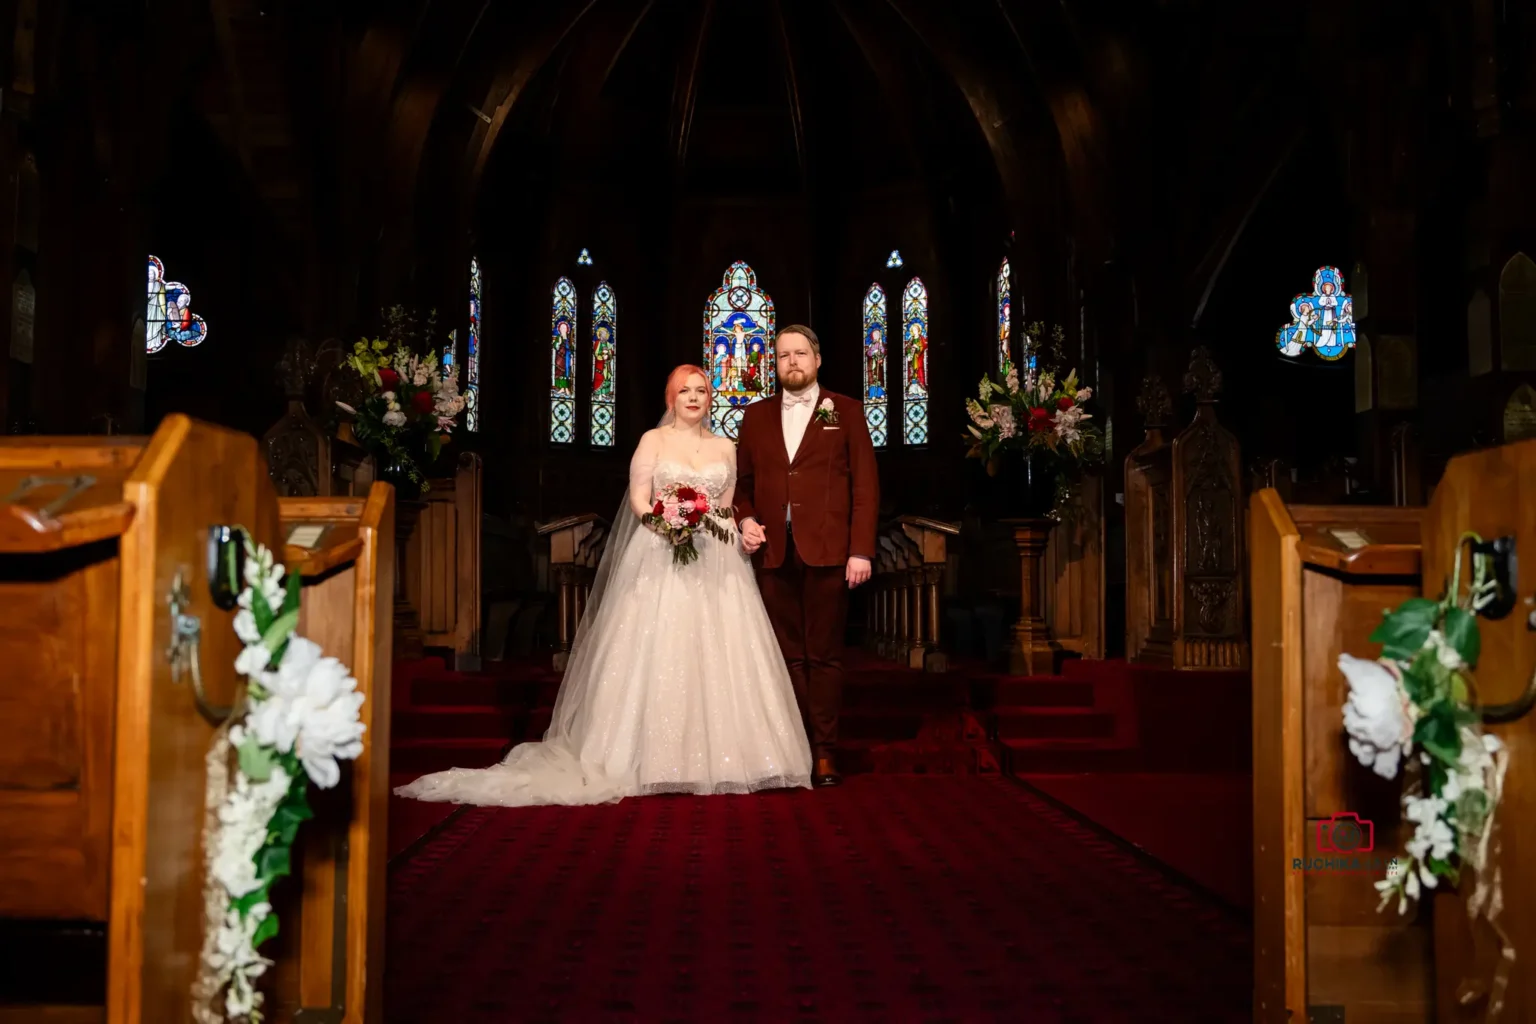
[408,642]
[1033,653]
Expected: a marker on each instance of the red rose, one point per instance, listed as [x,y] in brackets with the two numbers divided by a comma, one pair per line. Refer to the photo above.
[658,509]
[1039,420]
[686,494]
[421,401]
[1064,403]
[694,517]
[701,503]
[389,379]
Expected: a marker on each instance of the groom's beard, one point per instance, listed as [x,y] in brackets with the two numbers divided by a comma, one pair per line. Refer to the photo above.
[799,380]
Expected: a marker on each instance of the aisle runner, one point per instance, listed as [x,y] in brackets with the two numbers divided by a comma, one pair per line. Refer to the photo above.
[891,897]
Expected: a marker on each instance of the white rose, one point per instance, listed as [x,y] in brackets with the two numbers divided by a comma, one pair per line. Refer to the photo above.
[1374,717]
[394,418]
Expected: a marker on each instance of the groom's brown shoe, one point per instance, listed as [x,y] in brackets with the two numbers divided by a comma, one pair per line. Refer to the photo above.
[826,773]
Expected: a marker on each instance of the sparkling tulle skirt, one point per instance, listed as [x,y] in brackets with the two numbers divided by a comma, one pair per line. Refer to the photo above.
[676,684]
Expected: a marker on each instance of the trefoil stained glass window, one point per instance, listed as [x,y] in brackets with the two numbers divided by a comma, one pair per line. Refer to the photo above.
[168,313]
[1322,320]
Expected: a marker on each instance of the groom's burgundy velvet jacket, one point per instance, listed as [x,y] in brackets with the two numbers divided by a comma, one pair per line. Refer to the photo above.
[832,484]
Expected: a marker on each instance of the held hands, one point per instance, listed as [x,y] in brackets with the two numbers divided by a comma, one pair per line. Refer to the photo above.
[857,572]
[753,535]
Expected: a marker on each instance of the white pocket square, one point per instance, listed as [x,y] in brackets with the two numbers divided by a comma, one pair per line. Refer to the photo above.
[829,426]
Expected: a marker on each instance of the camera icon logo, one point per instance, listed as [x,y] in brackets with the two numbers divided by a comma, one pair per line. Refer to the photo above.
[1346,832]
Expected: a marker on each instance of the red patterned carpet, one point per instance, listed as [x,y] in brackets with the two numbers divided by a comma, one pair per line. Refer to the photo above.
[900,898]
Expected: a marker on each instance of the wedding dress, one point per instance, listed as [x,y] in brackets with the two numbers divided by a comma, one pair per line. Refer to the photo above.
[675,684]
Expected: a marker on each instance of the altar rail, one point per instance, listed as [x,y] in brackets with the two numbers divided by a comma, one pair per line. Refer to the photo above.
[575,548]
[904,613]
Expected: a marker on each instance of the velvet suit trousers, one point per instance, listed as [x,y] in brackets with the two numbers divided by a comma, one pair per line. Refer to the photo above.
[808,606]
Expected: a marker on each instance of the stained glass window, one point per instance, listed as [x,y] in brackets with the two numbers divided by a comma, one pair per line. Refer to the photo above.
[893,260]
[168,313]
[876,376]
[1004,318]
[738,347]
[584,259]
[451,353]
[605,338]
[562,363]
[472,354]
[914,323]
[1322,320]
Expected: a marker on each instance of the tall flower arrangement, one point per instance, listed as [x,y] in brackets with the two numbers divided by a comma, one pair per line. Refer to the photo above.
[1038,414]
[412,409]
[300,718]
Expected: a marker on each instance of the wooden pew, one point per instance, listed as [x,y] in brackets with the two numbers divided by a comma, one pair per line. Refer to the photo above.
[575,548]
[904,612]
[1490,492]
[1321,577]
[442,568]
[343,548]
[102,745]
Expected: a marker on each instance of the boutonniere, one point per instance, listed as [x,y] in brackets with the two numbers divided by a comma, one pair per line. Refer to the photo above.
[825,412]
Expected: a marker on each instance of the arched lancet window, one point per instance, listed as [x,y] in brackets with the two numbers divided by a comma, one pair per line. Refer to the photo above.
[738,347]
[472,352]
[914,332]
[1004,320]
[562,363]
[168,313]
[1322,320]
[605,341]
[876,376]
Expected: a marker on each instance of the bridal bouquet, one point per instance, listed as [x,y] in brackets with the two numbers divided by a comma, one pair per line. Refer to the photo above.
[411,410]
[679,512]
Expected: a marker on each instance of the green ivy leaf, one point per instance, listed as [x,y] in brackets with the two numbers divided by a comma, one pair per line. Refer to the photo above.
[273,862]
[1460,693]
[264,931]
[1437,777]
[243,905]
[1437,732]
[1461,633]
[1419,683]
[256,760]
[1404,631]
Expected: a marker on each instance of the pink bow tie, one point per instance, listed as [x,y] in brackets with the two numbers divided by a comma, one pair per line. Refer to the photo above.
[790,401]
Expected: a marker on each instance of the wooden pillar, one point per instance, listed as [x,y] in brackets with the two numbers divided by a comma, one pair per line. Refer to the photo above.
[1033,652]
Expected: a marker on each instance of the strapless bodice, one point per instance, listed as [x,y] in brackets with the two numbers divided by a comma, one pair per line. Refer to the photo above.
[714,479]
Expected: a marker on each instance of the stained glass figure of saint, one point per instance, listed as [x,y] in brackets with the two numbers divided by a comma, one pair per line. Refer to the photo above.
[562,363]
[1004,318]
[914,321]
[1322,320]
[168,313]
[605,332]
[472,353]
[875,370]
[738,340]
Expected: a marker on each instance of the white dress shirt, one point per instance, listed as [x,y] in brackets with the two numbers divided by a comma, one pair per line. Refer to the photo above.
[796,414]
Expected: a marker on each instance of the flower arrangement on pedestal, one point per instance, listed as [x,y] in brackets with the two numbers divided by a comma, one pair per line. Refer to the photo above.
[412,410]
[1414,710]
[299,718]
[1040,418]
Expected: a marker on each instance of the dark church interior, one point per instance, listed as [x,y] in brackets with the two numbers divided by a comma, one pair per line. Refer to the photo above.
[1156,674]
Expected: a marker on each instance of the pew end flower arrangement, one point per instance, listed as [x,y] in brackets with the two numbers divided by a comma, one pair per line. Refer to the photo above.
[298,719]
[1414,710]
[413,405]
[1039,415]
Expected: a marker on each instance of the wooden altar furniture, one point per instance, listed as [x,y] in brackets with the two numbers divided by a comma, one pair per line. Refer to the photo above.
[575,549]
[442,567]
[1073,567]
[1148,527]
[1032,653]
[343,549]
[1184,538]
[1321,577]
[104,578]
[1493,493]
[904,611]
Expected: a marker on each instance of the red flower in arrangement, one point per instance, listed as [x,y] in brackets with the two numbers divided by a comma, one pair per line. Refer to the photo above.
[694,517]
[388,379]
[422,401]
[1064,403]
[687,494]
[658,509]
[1039,420]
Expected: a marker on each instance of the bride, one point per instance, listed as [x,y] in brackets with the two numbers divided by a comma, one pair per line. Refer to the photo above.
[675,682]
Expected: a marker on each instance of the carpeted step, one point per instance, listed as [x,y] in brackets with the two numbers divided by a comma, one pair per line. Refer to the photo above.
[1031,691]
[923,693]
[420,756]
[459,722]
[1022,756]
[1052,723]
[484,691]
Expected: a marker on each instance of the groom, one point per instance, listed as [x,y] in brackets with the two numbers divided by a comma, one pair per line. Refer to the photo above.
[807,499]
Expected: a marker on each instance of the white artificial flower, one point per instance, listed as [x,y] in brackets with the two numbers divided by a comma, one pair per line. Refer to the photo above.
[1432,838]
[1374,716]
[394,418]
[252,660]
[311,709]
[245,627]
[236,962]
[243,820]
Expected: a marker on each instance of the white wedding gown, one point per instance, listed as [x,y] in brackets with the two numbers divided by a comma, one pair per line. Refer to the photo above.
[676,683]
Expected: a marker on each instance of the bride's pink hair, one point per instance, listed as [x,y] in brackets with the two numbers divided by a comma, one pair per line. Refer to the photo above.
[675,381]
